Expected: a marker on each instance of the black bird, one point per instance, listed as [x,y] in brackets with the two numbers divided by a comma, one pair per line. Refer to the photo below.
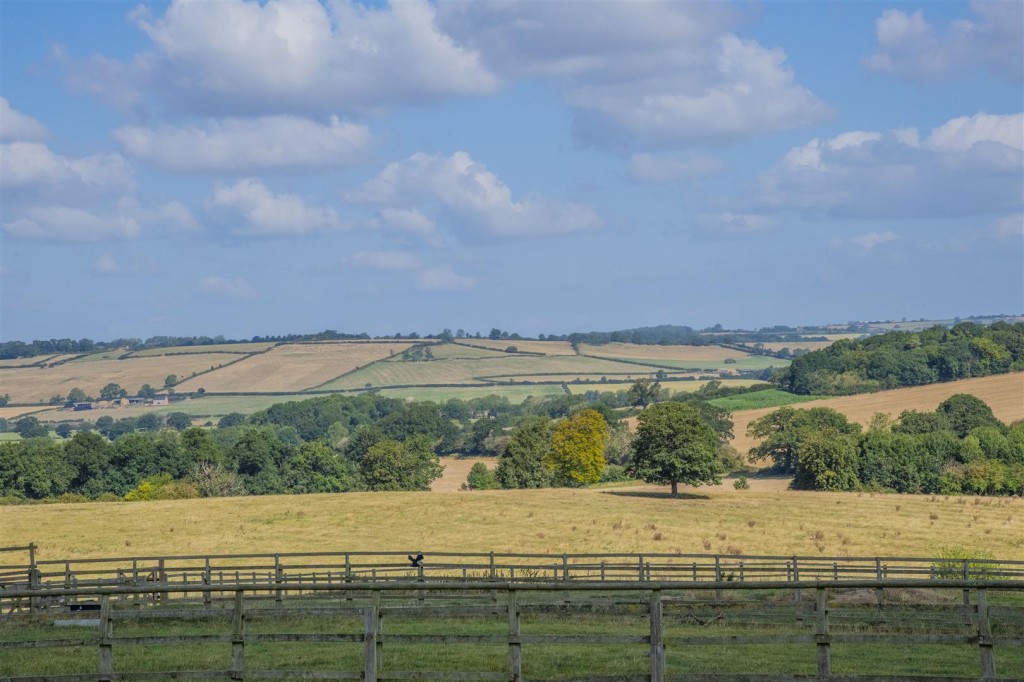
[417,561]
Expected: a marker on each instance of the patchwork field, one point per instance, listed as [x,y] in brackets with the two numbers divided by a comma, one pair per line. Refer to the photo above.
[397,373]
[244,348]
[514,394]
[1004,393]
[38,384]
[674,386]
[554,520]
[793,345]
[451,351]
[545,347]
[293,367]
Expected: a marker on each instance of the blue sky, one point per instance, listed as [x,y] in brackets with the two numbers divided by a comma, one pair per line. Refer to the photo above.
[245,168]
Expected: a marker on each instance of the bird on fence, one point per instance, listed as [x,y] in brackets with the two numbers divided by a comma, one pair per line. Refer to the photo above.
[416,561]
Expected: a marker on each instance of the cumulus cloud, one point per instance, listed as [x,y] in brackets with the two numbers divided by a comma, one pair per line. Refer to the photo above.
[32,166]
[383,260]
[287,56]
[229,288]
[262,212]
[472,199]
[641,74]
[408,221]
[870,240]
[735,223]
[1009,227]
[651,169]
[967,166]
[235,144]
[443,278]
[911,48]
[64,223]
[14,125]
[109,264]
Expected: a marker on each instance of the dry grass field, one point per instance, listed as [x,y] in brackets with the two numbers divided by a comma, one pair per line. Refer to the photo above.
[451,351]
[293,367]
[545,347]
[514,394]
[510,366]
[1004,393]
[13,412]
[456,469]
[244,348]
[770,521]
[711,354]
[793,345]
[38,384]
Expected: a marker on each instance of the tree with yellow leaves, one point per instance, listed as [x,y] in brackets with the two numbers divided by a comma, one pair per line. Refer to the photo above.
[576,456]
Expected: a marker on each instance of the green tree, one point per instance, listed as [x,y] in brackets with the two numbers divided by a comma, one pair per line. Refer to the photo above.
[89,454]
[643,392]
[521,465]
[149,422]
[171,380]
[481,478]
[77,395]
[147,391]
[966,412]
[316,468]
[827,460]
[63,430]
[393,465]
[576,456]
[110,391]
[179,421]
[200,445]
[674,445]
[259,456]
[4,399]
[33,469]
[30,427]
[781,432]
[231,419]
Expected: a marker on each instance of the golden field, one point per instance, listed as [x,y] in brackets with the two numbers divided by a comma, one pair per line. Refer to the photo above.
[711,354]
[767,520]
[35,384]
[1004,393]
[293,367]
[524,346]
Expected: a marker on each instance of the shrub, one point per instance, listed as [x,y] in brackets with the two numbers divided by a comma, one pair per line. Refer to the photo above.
[481,478]
[614,473]
[741,483]
[950,564]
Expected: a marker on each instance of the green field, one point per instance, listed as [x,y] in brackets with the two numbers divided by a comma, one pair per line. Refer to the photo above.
[451,351]
[758,399]
[515,394]
[753,362]
[107,355]
[398,373]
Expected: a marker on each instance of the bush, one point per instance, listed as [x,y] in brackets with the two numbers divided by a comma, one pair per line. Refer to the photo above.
[481,478]
[950,565]
[162,487]
[741,483]
[614,473]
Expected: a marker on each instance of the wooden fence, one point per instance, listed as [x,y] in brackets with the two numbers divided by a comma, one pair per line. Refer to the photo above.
[341,567]
[655,601]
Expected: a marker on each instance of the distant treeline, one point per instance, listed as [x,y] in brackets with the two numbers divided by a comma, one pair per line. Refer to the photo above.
[960,448]
[676,335]
[897,359]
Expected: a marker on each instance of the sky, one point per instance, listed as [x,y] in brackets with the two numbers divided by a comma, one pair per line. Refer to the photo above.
[251,168]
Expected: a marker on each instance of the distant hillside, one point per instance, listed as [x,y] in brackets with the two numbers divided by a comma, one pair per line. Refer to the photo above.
[899,359]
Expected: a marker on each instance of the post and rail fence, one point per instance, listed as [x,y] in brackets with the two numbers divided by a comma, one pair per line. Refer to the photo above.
[661,604]
[225,571]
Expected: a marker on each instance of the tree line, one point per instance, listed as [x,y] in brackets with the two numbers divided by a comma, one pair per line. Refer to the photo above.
[898,359]
[960,448]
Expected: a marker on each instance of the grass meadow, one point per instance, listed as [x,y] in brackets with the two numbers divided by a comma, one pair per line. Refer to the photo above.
[767,519]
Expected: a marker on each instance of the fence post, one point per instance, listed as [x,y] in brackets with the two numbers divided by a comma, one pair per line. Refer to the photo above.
[207,600]
[879,592]
[796,579]
[238,639]
[348,576]
[106,668]
[988,662]
[822,638]
[378,639]
[515,647]
[161,577]
[33,577]
[966,574]
[277,577]
[718,577]
[565,567]
[420,578]
[370,667]
[657,638]
[640,568]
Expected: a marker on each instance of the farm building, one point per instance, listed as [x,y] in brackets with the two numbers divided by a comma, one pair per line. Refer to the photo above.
[80,407]
[161,399]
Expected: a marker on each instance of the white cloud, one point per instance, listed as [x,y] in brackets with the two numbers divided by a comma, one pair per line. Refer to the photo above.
[228,288]
[641,74]
[247,144]
[383,260]
[175,215]
[405,221]
[735,223]
[443,279]
[1009,227]
[108,264]
[286,56]
[32,166]
[15,125]
[472,199]
[870,240]
[264,213]
[911,48]
[652,169]
[63,223]
[967,166]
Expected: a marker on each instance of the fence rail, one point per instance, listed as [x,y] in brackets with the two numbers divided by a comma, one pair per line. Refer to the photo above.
[656,602]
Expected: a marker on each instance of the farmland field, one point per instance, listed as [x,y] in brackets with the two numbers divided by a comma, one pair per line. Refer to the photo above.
[674,386]
[470,371]
[452,351]
[793,345]
[13,412]
[514,394]
[545,347]
[206,406]
[554,520]
[38,384]
[1004,393]
[292,367]
[243,348]
[758,399]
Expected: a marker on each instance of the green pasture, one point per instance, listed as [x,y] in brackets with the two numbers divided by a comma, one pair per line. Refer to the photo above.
[758,399]
[242,348]
[515,394]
